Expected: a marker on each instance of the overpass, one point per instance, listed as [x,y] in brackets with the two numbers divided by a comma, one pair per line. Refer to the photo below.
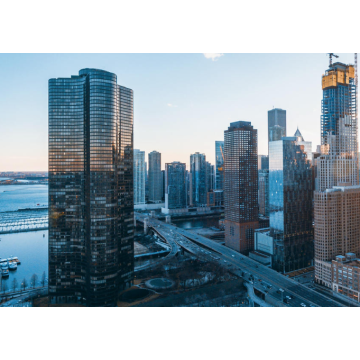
[271,286]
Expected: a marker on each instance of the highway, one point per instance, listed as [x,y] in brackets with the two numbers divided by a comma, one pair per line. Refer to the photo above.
[273,285]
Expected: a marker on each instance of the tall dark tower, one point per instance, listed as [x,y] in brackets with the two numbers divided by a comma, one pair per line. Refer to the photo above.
[91,204]
[241,186]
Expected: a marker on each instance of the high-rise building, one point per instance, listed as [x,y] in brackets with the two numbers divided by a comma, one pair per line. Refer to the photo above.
[263,192]
[336,199]
[155,180]
[337,227]
[175,185]
[163,185]
[276,124]
[209,177]
[263,181]
[198,180]
[139,177]
[241,186]
[219,165]
[291,194]
[91,206]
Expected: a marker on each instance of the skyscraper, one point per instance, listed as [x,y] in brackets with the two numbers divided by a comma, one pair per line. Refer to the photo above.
[337,195]
[241,186]
[276,124]
[139,177]
[155,179]
[175,185]
[90,188]
[291,192]
[198,180]
[219,165]
[263,174]
[209,177]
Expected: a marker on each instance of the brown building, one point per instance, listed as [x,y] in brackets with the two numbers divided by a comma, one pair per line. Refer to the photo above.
[337,227]
[346,276]
[241,186]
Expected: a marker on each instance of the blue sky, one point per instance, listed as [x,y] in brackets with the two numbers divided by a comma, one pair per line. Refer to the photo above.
[182,102]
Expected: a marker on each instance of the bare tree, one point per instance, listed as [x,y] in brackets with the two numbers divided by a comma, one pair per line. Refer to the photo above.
[43,277]
[24,284]
[14,284]
[34,279]
[4,287]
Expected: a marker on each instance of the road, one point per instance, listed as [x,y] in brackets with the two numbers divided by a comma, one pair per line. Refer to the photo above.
[280,288]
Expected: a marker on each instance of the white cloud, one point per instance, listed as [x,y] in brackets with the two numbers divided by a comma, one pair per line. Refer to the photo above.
[171,105]
[213,56]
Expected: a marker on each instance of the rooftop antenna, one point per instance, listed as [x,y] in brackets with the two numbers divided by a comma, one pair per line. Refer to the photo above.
[330,57]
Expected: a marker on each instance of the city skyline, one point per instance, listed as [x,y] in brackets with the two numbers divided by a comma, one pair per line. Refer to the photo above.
[221,93]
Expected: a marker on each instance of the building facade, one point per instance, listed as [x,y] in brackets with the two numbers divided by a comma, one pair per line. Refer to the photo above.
[90,188]
[175,185]
[291,195]
[241,186]
[336,199]
[198,180]
[155,177]
[337,227]
[276,124]
[219,165]
[139,177]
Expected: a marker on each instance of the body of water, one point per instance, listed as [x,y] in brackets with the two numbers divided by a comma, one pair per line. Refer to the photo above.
[197,223]
[14,197]
[32,250]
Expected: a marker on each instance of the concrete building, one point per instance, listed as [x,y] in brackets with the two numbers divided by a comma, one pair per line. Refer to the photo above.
[336,199]
[241,186]
[139,177]
[155,177]
[337,227]
[345,276]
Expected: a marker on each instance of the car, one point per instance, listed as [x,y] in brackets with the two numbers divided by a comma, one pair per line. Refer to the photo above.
[303,305]
[225,261]
[233,255]
[288,297]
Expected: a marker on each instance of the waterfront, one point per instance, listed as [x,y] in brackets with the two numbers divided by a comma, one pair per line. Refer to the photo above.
[15,197]
[32,250]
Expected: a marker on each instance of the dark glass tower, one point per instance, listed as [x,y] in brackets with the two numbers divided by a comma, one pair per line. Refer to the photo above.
[90,188]
[155,177]
[175,185]
[276,124]
[198,180]
[219,165]
[291,195]
[241,186]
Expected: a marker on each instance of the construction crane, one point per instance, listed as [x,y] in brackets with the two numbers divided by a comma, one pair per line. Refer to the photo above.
[330,56]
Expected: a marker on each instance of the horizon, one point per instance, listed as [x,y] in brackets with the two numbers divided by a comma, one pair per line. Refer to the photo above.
[202,93]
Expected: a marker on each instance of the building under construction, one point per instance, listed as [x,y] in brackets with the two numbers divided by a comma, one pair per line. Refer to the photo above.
[337,195]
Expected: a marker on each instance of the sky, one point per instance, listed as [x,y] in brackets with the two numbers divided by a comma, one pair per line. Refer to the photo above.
[182,102]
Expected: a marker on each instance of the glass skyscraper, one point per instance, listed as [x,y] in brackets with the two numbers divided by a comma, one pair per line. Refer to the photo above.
[276,124]
[175,185]
[139,177]
[241,186]
[90,188]
[219,165]
[198,180]
[155,177]
[291,193]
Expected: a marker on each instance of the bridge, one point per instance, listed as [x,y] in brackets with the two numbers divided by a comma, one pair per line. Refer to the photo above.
[268,285]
